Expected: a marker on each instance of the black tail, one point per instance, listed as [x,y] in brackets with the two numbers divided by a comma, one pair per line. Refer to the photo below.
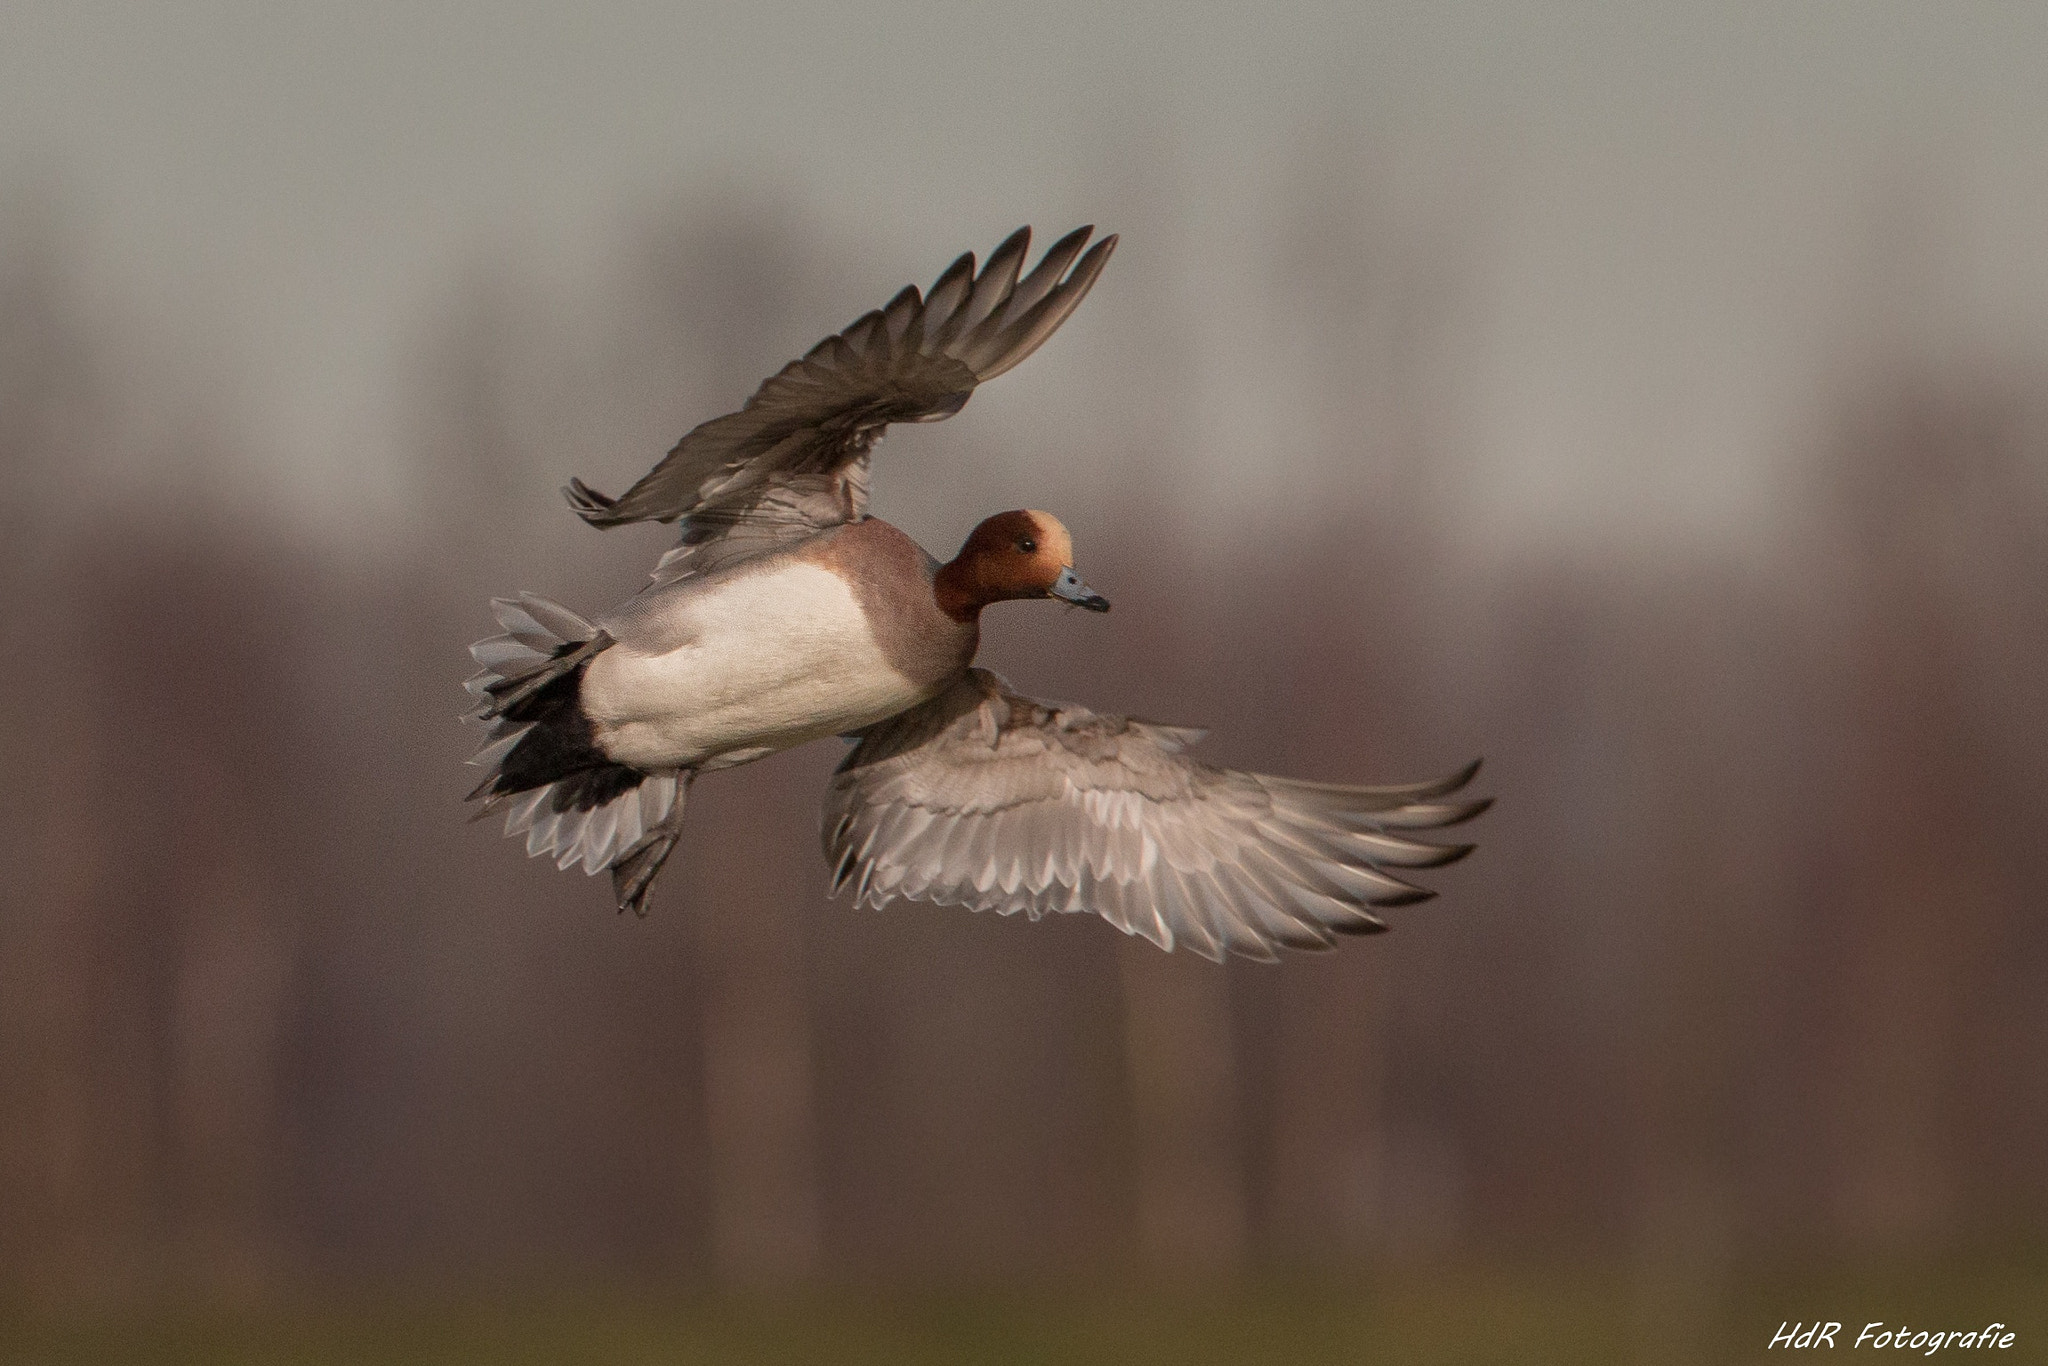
[545,769]
[556,745]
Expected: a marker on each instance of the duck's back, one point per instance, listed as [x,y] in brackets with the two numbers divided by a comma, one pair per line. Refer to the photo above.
[829,635]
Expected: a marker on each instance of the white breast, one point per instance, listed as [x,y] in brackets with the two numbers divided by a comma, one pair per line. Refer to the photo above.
[766,660]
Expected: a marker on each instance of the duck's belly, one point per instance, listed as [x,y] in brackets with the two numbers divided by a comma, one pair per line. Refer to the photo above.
[767,660]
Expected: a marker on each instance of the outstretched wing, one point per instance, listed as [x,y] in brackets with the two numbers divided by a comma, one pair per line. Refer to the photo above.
[795,459]
[984,799]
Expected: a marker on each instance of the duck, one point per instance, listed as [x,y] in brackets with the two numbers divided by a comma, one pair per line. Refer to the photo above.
[785,613]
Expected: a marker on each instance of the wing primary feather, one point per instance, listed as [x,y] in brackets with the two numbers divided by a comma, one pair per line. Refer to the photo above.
[1431,815]
[1046,274]
[1359,798]
[942,300]
[1377,847]
[899,313]
[998,277]
[1043,319]
[587,502]
[863,334]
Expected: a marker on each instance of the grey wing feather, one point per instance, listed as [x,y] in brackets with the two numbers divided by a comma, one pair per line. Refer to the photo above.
[794,459]
[985,799]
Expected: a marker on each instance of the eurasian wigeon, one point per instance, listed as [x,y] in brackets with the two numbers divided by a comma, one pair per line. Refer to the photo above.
[786,614]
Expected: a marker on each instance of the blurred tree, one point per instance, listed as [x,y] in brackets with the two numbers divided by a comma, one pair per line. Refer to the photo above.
[722,290]
[1750,948]
[1185,1111]
[1351,300]
[52,1198]
[1936,502]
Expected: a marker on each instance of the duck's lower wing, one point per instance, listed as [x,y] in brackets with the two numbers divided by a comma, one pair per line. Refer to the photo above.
[984,799]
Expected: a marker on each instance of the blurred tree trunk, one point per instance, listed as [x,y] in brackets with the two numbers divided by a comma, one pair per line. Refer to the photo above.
[1926,490]
[1369,309]
[723,292]
[68,1212]
[757,1099]
[236,952]
[1328,1110]
[758,1091]
[58,1206]
[1179,1046]
[199,816]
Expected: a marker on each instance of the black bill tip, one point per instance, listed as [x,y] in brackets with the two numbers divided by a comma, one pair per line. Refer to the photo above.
[1069,588]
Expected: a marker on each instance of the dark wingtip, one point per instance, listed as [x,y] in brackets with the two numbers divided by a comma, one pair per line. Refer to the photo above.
[844,870]
[1477,806]
[1411,897]
[1452,853]
[587,503]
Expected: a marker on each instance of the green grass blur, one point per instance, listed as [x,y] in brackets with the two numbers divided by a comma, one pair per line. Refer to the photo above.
[1421,1317]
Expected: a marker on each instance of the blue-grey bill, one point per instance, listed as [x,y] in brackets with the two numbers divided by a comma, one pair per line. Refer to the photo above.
[1070,588]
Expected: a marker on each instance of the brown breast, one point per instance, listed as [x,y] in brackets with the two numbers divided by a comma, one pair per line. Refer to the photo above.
[891,576]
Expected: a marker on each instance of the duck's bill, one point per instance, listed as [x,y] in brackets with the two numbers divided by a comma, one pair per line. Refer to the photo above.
[1069,588]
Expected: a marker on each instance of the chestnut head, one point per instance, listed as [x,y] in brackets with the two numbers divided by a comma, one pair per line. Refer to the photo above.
[1022,554]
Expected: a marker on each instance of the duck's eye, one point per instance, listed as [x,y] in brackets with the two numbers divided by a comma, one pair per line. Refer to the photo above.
[1028,546]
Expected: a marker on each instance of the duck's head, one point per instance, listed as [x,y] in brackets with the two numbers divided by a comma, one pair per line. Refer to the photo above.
[1023,554]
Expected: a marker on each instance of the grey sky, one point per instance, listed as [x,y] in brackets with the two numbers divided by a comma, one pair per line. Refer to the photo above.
[1679,204]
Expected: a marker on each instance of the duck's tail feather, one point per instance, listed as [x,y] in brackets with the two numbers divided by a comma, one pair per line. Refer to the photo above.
[557,822]
[543,767]
[543,642]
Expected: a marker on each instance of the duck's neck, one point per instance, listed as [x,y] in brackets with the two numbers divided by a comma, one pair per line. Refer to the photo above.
[959,594]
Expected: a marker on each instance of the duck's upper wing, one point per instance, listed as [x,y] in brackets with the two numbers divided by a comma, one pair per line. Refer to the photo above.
[984,799]
[795,459]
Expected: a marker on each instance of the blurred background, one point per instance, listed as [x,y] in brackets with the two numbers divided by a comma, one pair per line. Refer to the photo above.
[1651,398]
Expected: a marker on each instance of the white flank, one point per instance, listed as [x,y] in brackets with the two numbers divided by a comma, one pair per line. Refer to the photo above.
[767,660]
